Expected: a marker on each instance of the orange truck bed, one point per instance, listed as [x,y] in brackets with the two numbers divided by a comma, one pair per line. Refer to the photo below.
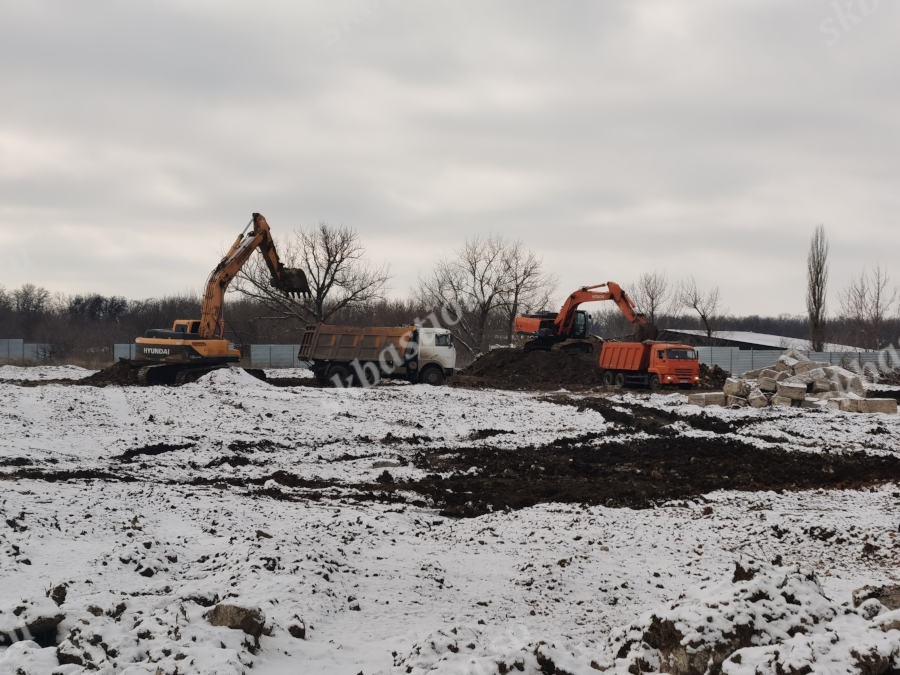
[624,355]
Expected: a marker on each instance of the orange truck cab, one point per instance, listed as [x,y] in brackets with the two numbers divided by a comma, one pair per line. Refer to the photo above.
[649,364]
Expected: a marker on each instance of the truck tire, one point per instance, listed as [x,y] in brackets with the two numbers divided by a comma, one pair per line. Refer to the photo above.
[432,375]
[341,371]
[620,380]
[654,382]
[608,378]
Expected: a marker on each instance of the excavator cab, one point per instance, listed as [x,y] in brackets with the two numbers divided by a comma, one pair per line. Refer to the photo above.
[580,325]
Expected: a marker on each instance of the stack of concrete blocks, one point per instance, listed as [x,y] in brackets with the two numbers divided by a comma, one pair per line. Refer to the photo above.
[795,381]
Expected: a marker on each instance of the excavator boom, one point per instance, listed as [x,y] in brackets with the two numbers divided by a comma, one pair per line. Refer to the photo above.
[193,347]
[289,281]
[569,323]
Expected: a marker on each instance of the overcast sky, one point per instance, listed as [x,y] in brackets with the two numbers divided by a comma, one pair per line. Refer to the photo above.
[702,138]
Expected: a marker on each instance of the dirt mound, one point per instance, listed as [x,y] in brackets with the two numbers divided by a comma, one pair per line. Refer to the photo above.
[712,377]
[520,369]
[120,373]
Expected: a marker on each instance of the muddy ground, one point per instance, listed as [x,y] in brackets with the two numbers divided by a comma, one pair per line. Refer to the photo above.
[610,467]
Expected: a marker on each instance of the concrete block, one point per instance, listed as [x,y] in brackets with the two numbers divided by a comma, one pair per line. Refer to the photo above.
[849,383]
[834,403]
[816,374]
[738,401]
[715,398]
[782,375]
[768,372]
[697,399]
[804,367]
[821,385]
[757,399]
[785,365]
[878,405]
[849,404]
[735,386]
[782,401]
[803,379]
[795,354]
[767,383]
[751,374]
[828,395]
[812,402]
[795,392]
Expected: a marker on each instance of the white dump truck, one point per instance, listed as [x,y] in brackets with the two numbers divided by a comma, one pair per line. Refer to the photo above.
[345,356]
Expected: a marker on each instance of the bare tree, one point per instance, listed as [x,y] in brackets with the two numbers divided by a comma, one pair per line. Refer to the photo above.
[476,284]
[865,304]
[528,288]
[816,283]
[334,261]
[653,295]
[705,304]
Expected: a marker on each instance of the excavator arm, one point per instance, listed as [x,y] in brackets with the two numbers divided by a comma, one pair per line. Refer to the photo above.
[290,281]
[566,317]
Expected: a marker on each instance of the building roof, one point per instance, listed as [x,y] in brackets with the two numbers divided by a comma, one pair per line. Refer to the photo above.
[764,340]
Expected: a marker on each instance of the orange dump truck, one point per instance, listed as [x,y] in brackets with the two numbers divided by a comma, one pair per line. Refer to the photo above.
[649,364]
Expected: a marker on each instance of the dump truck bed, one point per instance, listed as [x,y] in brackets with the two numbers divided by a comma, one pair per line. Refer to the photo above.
[346,343]
[623,355]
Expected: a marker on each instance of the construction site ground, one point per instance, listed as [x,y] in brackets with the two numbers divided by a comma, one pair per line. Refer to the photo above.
[382,524]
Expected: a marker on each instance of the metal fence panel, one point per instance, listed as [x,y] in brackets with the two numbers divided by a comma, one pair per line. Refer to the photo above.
[738,361]
[12,349]
[274,356]
[36,351]
[123,351]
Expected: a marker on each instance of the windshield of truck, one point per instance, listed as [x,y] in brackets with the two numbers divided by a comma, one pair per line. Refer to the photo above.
[443,340]
[682,354]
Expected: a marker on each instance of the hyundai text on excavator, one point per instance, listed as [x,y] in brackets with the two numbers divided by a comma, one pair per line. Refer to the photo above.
[568,330]
[194,347]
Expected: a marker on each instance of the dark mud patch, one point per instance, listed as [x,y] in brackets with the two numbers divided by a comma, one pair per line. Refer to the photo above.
[64,475]
[261,445]
[638,417]
[151,450]
[294,382]
[481,434]
[638,473]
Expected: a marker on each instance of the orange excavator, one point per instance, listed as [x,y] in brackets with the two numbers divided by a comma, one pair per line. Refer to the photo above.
[194,347]
[568,330]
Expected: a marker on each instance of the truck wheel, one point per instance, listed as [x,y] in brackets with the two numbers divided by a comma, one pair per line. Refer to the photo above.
[654,382]
[620,380]
[342,372]
[432,375]
[608,378]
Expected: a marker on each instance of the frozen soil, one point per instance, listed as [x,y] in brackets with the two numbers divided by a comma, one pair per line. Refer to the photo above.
[414,529]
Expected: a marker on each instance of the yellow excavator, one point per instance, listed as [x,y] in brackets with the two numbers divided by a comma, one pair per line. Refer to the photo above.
[194,347]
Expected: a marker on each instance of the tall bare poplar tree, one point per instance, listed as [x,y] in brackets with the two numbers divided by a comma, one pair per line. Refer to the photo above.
[816,282]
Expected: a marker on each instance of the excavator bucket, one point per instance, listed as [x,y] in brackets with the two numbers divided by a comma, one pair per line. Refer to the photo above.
[292,283]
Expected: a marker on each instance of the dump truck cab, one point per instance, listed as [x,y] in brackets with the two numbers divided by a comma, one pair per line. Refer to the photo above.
[673,364]
[649,364]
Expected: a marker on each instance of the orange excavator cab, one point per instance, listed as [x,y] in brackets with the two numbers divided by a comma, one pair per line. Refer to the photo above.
[568,329]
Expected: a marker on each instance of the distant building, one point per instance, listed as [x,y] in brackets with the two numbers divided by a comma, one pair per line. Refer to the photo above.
[744,340]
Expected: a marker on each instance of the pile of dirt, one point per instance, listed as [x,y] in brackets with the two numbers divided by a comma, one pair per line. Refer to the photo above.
[120,373]
[712,377]
[520,369]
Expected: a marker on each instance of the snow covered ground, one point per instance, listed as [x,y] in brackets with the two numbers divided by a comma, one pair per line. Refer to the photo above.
[141,509]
